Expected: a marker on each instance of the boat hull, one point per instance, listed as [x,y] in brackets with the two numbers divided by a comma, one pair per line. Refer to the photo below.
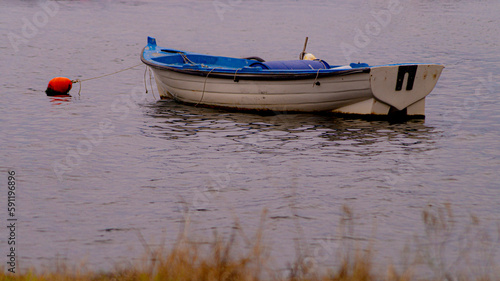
[304,95]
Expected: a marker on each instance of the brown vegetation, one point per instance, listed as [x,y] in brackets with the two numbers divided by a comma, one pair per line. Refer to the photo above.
[219,260]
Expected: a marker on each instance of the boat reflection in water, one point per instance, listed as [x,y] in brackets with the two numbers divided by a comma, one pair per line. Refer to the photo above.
[172,120]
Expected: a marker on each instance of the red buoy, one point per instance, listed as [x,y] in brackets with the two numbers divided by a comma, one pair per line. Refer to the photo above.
[59,86]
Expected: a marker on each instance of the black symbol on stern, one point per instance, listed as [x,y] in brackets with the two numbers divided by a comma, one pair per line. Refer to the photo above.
[402,70]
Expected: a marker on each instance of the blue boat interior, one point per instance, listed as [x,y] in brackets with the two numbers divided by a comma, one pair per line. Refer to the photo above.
[187,60]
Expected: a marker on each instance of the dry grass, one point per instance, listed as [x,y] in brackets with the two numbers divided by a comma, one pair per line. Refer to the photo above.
[220,261]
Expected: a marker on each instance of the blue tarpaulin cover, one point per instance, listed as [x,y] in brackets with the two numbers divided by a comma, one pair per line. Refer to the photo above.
[292,64]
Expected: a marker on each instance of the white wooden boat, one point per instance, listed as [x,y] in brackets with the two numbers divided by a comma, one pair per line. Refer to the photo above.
[290,86]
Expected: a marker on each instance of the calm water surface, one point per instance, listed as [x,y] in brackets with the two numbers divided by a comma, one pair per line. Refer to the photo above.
[134,164]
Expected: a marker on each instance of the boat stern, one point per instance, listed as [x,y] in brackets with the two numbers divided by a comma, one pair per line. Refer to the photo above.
[404,86]
[397,89]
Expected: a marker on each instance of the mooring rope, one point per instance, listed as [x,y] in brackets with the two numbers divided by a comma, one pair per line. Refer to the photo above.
[205,83]
[151,82]
[234,78]
[145,83]
[82,80]
[101,76]
[316,79]
[185,58]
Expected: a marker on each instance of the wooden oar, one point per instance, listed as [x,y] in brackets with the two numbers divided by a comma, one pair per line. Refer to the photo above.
[304,50]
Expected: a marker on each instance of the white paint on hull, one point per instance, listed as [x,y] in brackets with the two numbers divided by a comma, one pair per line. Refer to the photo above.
[383,81]
[295,95]
[358,93]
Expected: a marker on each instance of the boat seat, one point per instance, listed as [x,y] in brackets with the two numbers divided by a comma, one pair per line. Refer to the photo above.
[292,64]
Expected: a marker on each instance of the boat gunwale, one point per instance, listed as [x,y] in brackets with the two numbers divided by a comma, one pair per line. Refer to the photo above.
[270,75]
